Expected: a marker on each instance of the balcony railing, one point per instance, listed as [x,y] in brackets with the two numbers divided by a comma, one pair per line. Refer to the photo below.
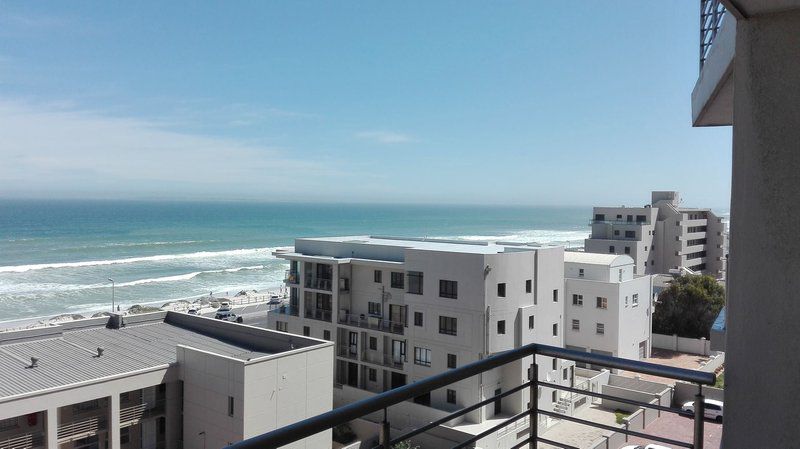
[319,283]
[292,277]
[618,222]
[287,310]
[129,416]
[344,351]
[319,314]
[711,15]
[381,402]
[81,428]
[371,322]
[23,441]
[387,360]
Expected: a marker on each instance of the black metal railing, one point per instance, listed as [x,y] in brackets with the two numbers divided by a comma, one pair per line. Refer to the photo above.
[711,14]
[371,322]
[319,314]
[381,402]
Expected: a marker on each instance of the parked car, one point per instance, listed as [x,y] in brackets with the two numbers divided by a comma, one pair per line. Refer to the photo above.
[227,315]
[224,307]
[713,409]
[649,446]
[193,312]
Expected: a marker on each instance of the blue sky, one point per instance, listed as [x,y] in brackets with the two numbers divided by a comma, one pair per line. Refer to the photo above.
[456,102]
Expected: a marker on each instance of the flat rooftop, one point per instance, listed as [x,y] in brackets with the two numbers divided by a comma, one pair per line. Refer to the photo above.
[597,258]
[432,244]
[67,354]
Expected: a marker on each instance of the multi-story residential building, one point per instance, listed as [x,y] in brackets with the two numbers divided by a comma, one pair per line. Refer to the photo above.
[662,236]
[160,380]
[608,309]
[401,310]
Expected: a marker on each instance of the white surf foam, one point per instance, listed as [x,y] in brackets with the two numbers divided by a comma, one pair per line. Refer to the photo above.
[545,236]
[265,252]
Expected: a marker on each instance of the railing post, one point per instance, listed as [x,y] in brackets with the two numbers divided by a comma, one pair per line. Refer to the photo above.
[533,405]
[385,437]
[699,415]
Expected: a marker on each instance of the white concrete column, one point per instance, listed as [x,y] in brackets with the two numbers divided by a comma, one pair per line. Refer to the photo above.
[113,422]
[173,415]
[51,427]
[763,351]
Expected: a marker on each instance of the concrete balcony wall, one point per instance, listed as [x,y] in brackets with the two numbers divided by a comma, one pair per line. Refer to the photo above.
[712,97]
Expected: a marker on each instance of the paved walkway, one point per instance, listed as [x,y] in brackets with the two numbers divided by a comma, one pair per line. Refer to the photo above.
[677,427]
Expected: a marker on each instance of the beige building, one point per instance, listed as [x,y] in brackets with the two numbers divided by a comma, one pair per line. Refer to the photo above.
[662,237]
[159,380]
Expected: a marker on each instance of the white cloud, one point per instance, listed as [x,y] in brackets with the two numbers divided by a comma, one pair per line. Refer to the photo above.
[50,149]
[384,137]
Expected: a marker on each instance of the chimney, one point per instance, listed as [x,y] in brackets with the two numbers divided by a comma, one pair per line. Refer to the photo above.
[34,362]
[99,351]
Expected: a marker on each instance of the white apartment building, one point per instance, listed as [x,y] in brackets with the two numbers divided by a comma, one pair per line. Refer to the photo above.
[402,309]
[662,236]
[160,380]
[608,308]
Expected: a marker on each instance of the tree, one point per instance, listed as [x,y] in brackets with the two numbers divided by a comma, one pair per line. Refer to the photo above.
[688,307]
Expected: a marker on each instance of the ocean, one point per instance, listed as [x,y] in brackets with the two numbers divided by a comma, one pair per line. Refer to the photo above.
[57,256]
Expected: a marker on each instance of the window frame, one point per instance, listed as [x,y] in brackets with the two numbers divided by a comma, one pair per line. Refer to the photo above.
[448,325]
[448,289]
[419,352]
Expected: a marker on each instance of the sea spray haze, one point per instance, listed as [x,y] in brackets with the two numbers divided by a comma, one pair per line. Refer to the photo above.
[56,256]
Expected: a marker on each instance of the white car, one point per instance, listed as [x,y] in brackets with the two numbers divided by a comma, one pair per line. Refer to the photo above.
[224,307]
[713,409]
[649,446]
[227,315]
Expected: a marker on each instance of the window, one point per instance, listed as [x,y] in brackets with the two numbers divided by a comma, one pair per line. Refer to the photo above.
[326,335]
[601,328]
[398,280]
[451,396]
[555,330]
[602,303]
[415,282]
[620,271]
[230,405]
[448,289]
[378,275]
[565,374]
[422,356]
[611,249]
[626,301]
[417,318]
[630,234]
[635,299]
[373,343]
[641,218]
[306,331]
[619,216]
[528,286]
[451,361]
[372,374]
[580,272]
[448,325]
[86,406]
[555,397]
[599,217]
[8,424]
[374,308]
[501,327]
[530,322]
[576,325]
[282,326]
[124,435]
[627,250]
[555,295]
[577,300]
[555,364]
[616,231]
[501,290]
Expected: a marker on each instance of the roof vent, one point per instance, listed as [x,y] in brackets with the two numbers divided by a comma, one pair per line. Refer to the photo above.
[99,351]
[34,362]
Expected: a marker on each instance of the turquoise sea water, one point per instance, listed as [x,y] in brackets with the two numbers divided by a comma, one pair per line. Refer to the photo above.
[56,256]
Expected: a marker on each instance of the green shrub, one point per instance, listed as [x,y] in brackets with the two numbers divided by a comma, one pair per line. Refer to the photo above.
[621,415]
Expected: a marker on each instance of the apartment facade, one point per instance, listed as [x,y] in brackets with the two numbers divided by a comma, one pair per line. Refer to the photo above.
[608,308]
[662,237]
[401,310]
[160,380]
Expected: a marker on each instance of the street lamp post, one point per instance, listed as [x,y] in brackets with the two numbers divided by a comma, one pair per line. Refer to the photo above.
[112,294]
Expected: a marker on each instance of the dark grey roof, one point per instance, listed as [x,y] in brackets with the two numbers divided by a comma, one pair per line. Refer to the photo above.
[70,357]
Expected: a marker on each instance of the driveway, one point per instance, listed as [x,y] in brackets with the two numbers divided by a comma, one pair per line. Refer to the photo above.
[676,427]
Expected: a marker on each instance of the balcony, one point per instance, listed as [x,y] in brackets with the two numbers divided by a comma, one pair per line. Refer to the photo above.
[383,401]
[712,97]
[82,428]
[129,416]
[286,310]
[371,322]
[319,283]
[319,314]
[23,441]
[618,222]
[386,360]
[344,351]
[292,277]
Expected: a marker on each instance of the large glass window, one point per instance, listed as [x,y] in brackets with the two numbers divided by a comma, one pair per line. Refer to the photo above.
[422,356]
[415,282]
[448,325]
[448,289]
[398,280]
